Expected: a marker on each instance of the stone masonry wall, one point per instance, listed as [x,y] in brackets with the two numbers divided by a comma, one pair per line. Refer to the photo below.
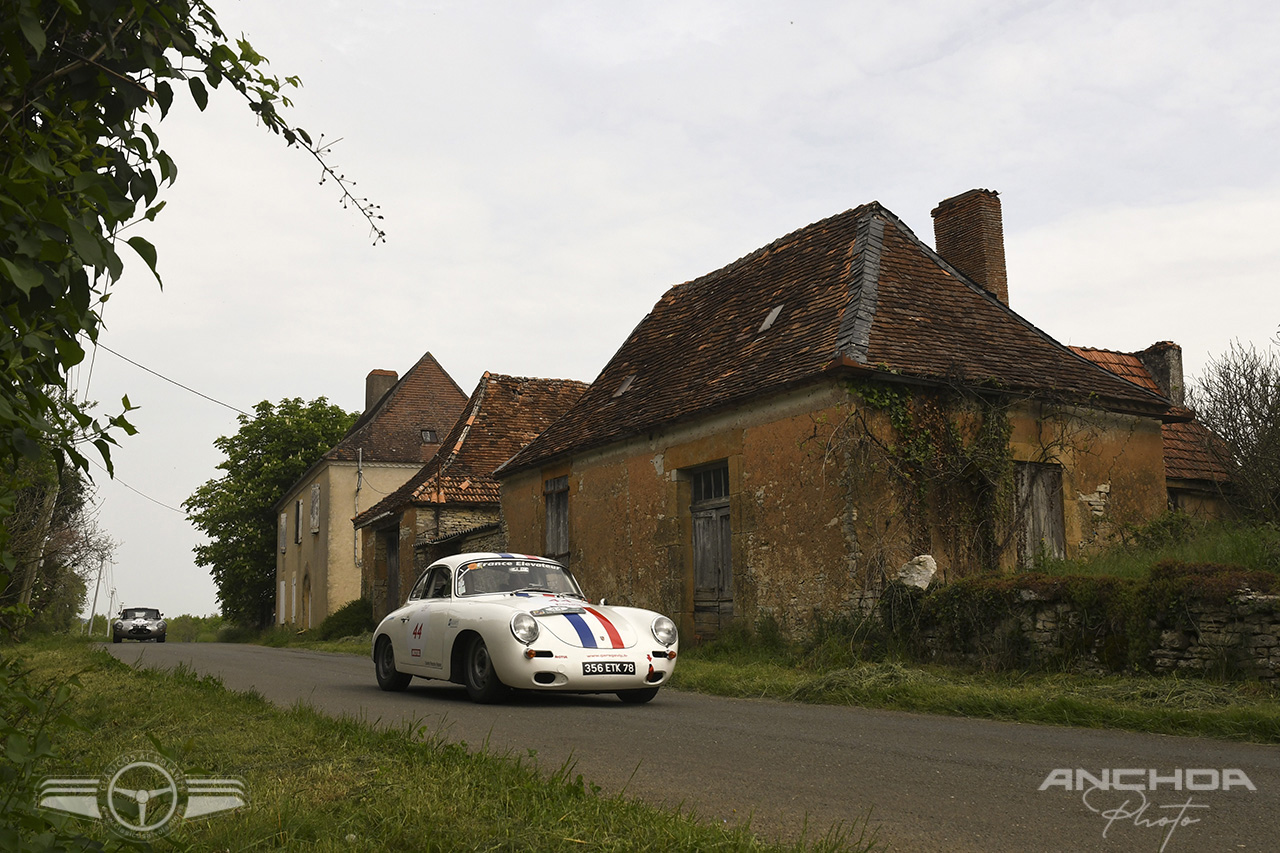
[1237,637]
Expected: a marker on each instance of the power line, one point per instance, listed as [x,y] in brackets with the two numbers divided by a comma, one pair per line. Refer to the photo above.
[136,491]
[173,382]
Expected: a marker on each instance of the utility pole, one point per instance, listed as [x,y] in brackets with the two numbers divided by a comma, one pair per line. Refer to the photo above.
[111,608]
[94,609]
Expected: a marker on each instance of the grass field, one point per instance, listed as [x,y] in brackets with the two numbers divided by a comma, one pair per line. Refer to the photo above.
[322,784]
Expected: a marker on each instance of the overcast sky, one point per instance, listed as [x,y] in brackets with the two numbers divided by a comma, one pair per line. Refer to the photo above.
[547,170]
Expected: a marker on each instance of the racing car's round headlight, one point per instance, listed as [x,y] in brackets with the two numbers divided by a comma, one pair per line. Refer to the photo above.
[160,625]
[664,631]
[524,627]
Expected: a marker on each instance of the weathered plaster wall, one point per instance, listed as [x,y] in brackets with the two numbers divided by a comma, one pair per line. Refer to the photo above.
[631,527]
[326,560]
[1113,468]
[815,515]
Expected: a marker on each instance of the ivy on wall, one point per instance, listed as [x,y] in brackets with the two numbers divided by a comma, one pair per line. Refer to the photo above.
[947,455]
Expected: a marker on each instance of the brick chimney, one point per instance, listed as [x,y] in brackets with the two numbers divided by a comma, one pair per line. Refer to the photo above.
[1164,362]
[377,383]
[970,236]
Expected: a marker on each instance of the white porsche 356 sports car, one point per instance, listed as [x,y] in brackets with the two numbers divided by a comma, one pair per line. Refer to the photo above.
[493,622]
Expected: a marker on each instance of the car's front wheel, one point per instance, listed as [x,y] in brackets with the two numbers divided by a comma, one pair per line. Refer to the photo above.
[482,682]
[638,696]
[160,639]
[384,666]
[115,638]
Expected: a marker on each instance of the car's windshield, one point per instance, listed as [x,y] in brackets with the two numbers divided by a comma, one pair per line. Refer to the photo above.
[141,613]
[485,577]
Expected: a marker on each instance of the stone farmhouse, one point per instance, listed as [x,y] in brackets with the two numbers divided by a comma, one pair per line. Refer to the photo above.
[318,551]
[451,504]
[777,437]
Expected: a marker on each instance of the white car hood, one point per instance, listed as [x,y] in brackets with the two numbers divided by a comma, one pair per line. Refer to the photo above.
[578,623]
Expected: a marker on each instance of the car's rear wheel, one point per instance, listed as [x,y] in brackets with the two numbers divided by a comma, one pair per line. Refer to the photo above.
[384,667]
[638,696]
[479,676]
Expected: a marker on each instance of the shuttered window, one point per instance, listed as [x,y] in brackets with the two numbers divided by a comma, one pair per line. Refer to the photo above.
[556,492]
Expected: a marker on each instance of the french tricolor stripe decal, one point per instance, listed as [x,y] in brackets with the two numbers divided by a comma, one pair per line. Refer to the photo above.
[584,630]
[614,636]
[586,633]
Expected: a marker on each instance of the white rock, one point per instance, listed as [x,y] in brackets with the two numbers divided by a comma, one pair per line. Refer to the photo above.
[919,572]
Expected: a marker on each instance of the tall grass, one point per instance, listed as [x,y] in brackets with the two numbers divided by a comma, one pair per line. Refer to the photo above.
[1176,537]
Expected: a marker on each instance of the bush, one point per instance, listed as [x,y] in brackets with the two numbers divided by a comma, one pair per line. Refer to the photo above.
[237,634]
[351,620]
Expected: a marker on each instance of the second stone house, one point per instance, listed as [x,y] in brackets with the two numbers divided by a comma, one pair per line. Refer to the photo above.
[318,553]
[451,504]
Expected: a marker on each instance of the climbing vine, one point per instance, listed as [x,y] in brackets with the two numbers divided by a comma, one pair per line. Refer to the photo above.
[947,454]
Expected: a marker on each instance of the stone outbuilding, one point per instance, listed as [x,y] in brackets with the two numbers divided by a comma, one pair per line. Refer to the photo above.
[318,552]
[451,504]
[1196,481]
[777,437]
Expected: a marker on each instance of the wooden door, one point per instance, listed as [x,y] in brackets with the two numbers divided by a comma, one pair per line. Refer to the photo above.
[712,572]
[1042,529]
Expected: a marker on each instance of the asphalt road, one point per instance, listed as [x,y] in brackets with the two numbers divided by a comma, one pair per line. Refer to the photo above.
[929,783]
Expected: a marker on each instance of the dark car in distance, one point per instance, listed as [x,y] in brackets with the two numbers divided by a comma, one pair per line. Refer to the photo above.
[138,623]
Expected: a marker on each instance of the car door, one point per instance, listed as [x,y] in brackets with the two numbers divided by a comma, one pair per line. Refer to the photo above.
[437,613]
[423,621]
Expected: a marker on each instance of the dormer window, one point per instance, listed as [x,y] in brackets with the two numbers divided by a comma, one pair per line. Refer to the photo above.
[429,437]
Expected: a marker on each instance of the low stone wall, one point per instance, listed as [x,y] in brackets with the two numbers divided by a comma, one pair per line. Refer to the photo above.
[1241,636]
[1184,620]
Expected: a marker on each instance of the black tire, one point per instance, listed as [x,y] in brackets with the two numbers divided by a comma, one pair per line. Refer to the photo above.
[115,638]
[384,667]
[638,696]
[160,639]
[482,682]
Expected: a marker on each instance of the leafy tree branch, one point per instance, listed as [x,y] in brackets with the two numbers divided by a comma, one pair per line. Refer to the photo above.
[83,86]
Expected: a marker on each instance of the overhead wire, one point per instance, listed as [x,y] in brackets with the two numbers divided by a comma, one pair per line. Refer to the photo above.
[137,491]
[172,381]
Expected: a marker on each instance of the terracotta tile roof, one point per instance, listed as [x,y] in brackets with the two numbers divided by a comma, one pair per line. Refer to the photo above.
[1187,453]
[1123,364]
[503,414]
[426,397]
[857,291]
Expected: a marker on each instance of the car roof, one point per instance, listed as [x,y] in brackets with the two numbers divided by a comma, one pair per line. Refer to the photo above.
[459,559]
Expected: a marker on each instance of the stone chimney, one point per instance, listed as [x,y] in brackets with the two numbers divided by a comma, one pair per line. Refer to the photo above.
[377,383]
[970,236]
[1164,362]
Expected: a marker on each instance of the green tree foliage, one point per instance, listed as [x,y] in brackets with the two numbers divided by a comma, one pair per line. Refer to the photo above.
[270,452]
[1238,399]
[56,545]
[83,87]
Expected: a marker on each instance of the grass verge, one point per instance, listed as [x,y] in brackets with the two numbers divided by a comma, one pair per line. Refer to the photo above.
[318,784]
[1244,711]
